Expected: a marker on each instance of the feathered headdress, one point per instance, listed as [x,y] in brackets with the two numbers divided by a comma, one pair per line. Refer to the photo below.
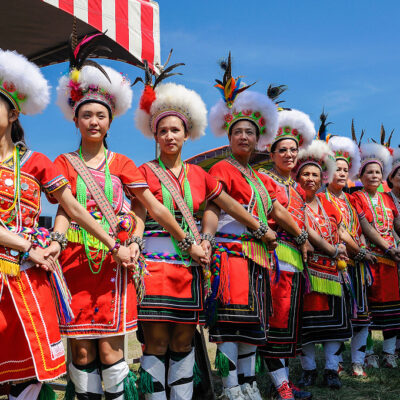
[296,125]
[346,149]
[395,162]
[322,131]
[169,99]
[319,154]
[88,81]
[22,83]
[238,104]
[376,153]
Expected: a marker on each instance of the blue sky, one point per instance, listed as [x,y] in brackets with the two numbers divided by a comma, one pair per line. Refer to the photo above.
[342,55]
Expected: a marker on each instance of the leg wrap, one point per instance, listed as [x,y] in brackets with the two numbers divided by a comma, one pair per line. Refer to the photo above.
[226,362]
[332,354]
[87,381]
[119,381]
[25,391]
[180,375]
[389,343]
[152,377]
[359,345]
[277,370]
[246,364]
[307,357]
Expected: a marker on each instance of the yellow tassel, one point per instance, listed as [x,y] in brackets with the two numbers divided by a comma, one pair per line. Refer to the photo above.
[74,236]
[325,286]
[256,252]
[75,75]
[9,268]
[289,255]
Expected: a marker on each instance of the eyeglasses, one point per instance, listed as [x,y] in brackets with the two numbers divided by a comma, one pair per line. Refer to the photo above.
[283,151]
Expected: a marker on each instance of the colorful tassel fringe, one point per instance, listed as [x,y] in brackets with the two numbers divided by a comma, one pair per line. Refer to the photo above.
[222,364]
[325,286]
[9,268]
[130,389]
[290,255]
[47,393]
[256,252]
[197,375]
[145,384]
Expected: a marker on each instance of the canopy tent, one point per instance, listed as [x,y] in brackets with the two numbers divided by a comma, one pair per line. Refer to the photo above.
[39,29]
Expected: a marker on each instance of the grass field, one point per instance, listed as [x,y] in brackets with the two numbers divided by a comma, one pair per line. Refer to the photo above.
[382,384]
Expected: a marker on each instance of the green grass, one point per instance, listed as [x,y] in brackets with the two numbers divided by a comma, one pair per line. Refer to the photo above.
[382,384]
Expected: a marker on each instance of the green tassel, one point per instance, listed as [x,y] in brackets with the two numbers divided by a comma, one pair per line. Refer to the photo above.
[69,391]
[145,384]
[222,364]
[326,286]
[370,342]
[197,375]
[47,393]
[289,255]
[260,365]
[130,390]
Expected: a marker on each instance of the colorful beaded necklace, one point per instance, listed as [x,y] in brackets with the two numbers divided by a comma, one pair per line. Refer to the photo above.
[325,234]
[81,195]
[382,225]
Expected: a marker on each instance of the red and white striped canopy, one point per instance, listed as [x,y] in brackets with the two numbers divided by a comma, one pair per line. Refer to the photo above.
[134,24]
[40,29]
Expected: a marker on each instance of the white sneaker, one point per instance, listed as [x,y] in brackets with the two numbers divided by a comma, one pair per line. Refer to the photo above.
[233,393]
[389,361]
[251,392]
[372,361]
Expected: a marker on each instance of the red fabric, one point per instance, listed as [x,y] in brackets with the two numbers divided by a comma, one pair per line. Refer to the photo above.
[236,185]
[147,32]
[122,28]
[386,284]
[281,293]
[203,186]
[66,5]
[36,348]
[95,14]
[315,302]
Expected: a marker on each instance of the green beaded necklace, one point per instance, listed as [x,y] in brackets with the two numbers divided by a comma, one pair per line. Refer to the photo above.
[168,202]
[81,195]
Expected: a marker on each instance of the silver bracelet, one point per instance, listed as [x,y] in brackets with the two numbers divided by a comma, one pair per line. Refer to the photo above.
[302,238]
[336,251]
[60,238]
[136,239]
[261,231]
[210,238]
[360,255]
[186,242]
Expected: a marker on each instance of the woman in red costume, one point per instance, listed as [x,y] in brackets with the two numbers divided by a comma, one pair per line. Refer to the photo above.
[173,304]
[250,120]
[295,131]
[326,316]
[103,293]
[31,350]
[378,214]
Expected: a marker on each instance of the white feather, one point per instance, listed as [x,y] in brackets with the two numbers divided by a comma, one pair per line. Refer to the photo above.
[375,151]
[170,96]
[119,88]
[342,143]
[28,80]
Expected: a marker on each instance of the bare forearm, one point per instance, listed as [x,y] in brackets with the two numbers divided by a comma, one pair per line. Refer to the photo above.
[13,241]
[351,245]
[140,213]
[318,242]
[210,219]
[373,235]
[62,221]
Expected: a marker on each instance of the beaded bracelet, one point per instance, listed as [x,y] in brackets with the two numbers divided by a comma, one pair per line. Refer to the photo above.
[60,238]
[136,239]
[261,231]
[336,251]
[25,255]
[360,255]
[116,246]
[186,242]
[210,237]
[387,251]
[302,238]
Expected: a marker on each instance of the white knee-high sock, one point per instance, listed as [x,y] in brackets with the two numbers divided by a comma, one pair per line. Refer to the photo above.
[230,351]
[307,357]
[332,354]
[359,345]
[389,345]
[155,367]
[277,370]
[25,391]
[246,365]
[113,378]
[180,375]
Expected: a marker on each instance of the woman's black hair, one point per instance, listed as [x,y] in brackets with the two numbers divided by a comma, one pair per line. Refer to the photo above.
[253,123]
[388,181]
[17,132]
[273,147]
[109,115]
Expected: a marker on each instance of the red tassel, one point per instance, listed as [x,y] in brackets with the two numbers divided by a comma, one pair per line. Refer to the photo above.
[148,96]
[123,236]
[223,290]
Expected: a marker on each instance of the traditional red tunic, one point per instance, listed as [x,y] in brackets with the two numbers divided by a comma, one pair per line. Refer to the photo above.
[243,318]
[30,342]
[103,298]
[325,312]
[287,294]
[384,294]
[174,291]
[360,273]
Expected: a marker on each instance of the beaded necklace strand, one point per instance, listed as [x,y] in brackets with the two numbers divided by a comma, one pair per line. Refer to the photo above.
[381,225]
[81,195]
[318,224]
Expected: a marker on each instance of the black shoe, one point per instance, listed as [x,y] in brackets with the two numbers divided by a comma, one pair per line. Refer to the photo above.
[308,378]
[298,393]
[331,379]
